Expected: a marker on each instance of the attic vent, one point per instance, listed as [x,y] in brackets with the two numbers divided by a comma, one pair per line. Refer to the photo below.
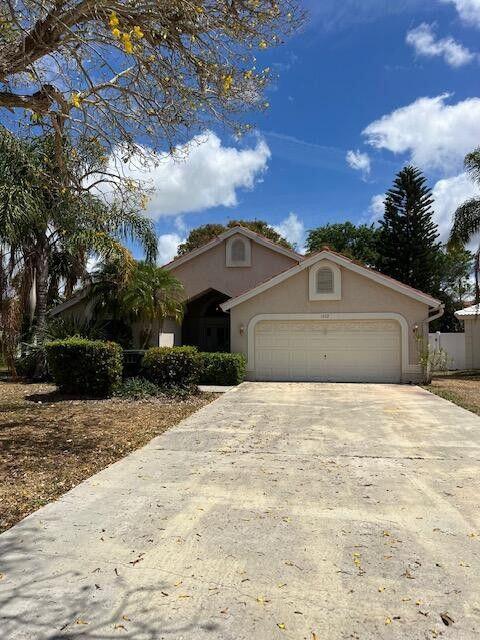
[324,281]
[238,251]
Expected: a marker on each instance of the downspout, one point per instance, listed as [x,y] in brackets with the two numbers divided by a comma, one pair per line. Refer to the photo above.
[440,311]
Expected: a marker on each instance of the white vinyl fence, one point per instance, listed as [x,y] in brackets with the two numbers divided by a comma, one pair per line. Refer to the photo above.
[453,344]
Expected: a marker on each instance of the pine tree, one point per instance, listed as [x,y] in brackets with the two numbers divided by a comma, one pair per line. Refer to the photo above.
[408,245]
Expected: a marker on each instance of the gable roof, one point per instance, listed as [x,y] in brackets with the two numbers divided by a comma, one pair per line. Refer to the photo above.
[468,312]
[256,237]
[77,297]
[337,258]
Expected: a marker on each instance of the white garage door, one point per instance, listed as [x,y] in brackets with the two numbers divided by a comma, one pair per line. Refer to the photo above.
[322,350]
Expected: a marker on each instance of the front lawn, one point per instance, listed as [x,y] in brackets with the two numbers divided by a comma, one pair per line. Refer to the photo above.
[462,388]
[48,444]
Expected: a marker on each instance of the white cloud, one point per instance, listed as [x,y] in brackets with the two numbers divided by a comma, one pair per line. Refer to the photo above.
[167,246]
[168,242]
[377,207]
[423,40]
[335,15]
[468,10]
[180,225]
[437,135]
[448,194]
[203,174]
[293,229]
[359,161]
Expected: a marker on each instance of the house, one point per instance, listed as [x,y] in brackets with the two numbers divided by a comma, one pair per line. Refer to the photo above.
[471,317]
[321,317]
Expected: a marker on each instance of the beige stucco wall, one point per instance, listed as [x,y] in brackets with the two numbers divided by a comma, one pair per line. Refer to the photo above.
[204,272]
[359,295]
[472,343]
[209,270]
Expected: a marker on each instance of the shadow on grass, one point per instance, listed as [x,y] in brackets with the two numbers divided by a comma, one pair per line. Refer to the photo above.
[473,375]
[50,397]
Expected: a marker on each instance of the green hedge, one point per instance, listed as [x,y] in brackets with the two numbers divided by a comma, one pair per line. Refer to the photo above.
[85,367]
[223,368]
[172,366]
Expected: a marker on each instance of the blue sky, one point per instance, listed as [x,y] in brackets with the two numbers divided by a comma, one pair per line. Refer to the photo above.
[349,81]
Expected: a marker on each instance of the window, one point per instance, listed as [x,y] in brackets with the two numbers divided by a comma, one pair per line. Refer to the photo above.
[325,281]
[239,252]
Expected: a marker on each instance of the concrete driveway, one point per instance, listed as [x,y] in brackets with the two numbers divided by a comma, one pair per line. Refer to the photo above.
[303,511]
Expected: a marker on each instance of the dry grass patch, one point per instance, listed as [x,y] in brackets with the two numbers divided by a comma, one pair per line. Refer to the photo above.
[462,388]
[49,443]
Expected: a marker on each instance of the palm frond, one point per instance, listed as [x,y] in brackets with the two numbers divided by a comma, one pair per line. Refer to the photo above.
[466,223]
[472,164]
[132,225]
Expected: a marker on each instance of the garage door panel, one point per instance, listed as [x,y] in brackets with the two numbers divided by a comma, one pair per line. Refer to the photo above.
[328,350]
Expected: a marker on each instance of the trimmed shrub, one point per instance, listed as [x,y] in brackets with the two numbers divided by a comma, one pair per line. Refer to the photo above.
[172,366]
[137,389]
[85,367]
[223,368]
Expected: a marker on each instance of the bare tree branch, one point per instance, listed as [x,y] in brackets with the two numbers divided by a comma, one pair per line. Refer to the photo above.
[150,71]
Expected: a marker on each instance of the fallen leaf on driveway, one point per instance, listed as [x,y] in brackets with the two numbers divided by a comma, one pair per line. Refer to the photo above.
[281,625]
[139,559]
[446,619]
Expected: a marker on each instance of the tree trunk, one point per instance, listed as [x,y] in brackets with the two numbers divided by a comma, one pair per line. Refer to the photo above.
[147,335]
[41,273]
[477,276]
[42,294]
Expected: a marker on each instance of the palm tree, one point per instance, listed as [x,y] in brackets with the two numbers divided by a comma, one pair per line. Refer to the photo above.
[466,222]
[152,295]
[52,220]
[141,292]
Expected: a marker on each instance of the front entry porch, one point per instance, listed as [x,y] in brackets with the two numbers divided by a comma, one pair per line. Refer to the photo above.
[205,325]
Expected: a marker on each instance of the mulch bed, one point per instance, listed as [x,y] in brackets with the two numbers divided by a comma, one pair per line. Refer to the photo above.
[49,443]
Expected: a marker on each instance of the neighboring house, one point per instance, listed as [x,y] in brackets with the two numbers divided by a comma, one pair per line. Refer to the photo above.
[322,317]
[471,318]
